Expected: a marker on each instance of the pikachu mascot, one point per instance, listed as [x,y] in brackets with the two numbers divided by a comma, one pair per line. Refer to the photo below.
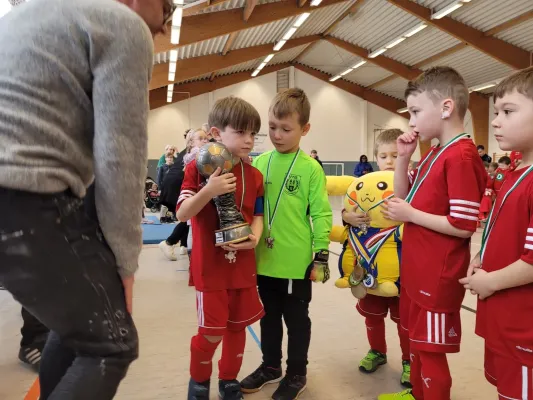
[370,260]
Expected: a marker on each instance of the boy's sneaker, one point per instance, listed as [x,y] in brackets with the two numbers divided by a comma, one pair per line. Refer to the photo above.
[405,395]
[259,378]
[405,380]
[168,251]
[372,361]
[290,388]
[229,390]
[198,390]
[183,250]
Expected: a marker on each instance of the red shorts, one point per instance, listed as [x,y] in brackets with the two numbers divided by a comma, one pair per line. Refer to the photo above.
[513,380]
[430,331]
[232,309]
[377,306]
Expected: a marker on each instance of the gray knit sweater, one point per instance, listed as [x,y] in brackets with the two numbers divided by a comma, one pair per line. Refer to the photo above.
[74,80]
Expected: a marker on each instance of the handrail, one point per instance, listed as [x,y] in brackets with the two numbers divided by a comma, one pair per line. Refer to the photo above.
[336,169]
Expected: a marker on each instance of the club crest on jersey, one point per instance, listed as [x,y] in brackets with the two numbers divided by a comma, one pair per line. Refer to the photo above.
[293,184]
[499,177]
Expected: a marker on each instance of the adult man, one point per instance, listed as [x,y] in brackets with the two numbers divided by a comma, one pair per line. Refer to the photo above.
[73,107]
[484,156]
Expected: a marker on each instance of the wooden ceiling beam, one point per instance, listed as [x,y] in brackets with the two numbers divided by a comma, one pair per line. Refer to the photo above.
[193,67]
[498,49]
[509,24]
[200,27]
[229,42]
[301,3]
[387,63]
[158,97]
[352,10]
[249,7]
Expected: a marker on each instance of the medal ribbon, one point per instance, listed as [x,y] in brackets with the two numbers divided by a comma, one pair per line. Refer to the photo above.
[370,253]
[271,216]
[492,221]
[418,181]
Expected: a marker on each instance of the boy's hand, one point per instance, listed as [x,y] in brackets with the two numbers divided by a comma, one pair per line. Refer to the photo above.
[249,244]
[407,144]
[355,219]
[480,282]
[397,209]
[474,266]
[221,184]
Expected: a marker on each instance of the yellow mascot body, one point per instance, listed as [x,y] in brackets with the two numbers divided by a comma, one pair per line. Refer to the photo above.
[375,249]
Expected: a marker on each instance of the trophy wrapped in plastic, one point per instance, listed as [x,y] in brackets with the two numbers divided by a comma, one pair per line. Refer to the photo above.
[233,227]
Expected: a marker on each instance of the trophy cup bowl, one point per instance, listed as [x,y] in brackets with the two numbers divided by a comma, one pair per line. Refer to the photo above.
[233,227]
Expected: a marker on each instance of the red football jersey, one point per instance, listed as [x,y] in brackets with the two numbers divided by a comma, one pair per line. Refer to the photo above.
[505,319]
[515,157]
[433,263]
[499,178]
[210,268]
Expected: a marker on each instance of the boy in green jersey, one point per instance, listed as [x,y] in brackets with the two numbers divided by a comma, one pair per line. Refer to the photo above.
[291,250]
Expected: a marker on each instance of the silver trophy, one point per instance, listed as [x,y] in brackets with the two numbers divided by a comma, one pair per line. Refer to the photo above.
[233,227]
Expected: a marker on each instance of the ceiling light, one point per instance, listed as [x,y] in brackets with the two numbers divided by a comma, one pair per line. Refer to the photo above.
[173,55]
[170,88]
[175,35]
[481,87]
[376,53]
[334,78]
[447,10]
[263,65]
[394,43]
[256,72]
[301,19]
[268,58]
[315,3]
[359,64]
[402,110]
[172,67]
[289,33]
[346,72]
[178,2]
[279,45]
[415,30]
[177,16]
[171,76]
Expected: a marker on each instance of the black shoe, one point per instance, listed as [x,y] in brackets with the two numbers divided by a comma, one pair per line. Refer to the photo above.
[31,355]
[198,391]
[290,388]
[229,390]
[259,378]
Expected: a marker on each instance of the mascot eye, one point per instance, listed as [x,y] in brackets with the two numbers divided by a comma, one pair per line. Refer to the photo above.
[382,185]
[359,186]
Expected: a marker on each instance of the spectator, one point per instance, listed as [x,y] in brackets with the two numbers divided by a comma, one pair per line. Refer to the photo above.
[484,156]
[163,170]
[363,167]
[314,154]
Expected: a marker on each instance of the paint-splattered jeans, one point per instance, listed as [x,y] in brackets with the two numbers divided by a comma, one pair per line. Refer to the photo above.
[55,262]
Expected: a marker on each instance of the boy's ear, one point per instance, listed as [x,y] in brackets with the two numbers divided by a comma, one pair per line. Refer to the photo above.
[306,128]
[448,107]
[215,132]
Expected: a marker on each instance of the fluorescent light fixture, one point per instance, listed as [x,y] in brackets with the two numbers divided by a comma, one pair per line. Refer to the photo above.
[481,87]
[376,53]
[289,33]
[170,88]
[415,30]
[279,45]
[447,10]
[268,58]
[169,99]
[402,110]
[359,64]
[175,35]
[177,16]
[315,3]
[171,76]
[173,55]
[256,72]
[172,68]
[346,72]
[334,78]
[395,42]
[263,65]
[301,19]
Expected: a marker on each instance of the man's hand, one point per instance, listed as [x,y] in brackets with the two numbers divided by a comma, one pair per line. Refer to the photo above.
[249,244]
[397,209]
[480,282]
[407,144]
[128,292]
[221,184]
[355,218]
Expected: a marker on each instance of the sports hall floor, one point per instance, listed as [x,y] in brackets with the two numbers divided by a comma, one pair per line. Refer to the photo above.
[165,314]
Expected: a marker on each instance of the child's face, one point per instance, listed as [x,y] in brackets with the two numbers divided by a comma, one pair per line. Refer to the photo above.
[169,160]
[200,138]
[386,156]
[240,143]
[491,169]
[286,133]
[426,116]
[503,166]
[513,125]
[154,186]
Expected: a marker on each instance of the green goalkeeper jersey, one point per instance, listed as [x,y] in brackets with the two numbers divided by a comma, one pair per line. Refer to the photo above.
[302,220]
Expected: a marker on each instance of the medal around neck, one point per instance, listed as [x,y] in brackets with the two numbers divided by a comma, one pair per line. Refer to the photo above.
[233,227]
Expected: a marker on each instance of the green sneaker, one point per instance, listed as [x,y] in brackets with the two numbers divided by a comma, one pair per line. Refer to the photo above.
[372,361]
[405,395]
[405,380]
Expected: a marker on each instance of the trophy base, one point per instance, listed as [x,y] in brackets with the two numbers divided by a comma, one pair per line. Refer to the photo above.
[233,234]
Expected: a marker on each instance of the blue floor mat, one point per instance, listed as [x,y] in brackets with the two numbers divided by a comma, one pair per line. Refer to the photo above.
[154,234]
[154,219]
